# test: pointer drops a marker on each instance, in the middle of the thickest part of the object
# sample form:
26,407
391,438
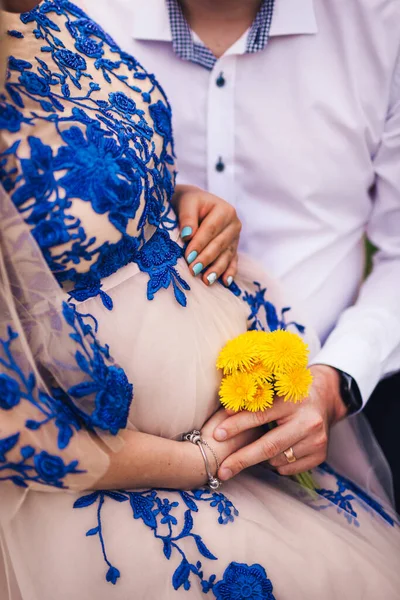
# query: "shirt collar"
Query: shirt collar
153,22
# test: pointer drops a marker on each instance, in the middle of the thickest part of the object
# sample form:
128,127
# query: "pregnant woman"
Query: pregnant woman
108,347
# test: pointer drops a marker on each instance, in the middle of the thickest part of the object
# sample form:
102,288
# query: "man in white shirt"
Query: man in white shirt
290,110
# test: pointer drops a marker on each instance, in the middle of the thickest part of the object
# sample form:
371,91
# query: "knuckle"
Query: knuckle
259,418
240,465
315,423
212,229
230,211
322,441
269,449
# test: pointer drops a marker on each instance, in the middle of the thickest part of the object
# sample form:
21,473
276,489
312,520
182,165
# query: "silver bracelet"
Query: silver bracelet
194,437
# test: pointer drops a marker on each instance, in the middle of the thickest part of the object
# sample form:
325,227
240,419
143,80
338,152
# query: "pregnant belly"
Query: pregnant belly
168,351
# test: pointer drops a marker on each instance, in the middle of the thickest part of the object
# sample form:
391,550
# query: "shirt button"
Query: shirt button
220,166
221,80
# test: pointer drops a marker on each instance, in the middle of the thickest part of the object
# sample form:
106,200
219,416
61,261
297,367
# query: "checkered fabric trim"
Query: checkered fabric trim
187,49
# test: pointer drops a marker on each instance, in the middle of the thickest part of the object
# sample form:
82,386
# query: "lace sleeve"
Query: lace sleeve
59,388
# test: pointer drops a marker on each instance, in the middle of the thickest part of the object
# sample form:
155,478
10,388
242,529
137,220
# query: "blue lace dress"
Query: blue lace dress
103,328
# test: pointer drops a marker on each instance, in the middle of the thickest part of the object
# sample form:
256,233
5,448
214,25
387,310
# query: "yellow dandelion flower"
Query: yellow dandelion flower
294,384
283,350
236,390
263,399
238,354
261,373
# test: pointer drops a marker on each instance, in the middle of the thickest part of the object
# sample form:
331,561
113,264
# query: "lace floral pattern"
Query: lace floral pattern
159,514
106,387
110,153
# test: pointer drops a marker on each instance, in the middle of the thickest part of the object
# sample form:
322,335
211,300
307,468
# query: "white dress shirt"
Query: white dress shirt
308,135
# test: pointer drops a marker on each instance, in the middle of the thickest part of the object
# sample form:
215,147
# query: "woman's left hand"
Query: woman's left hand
212,228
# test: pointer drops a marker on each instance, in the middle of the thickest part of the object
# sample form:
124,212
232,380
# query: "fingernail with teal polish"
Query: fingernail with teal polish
186,231
229,280
192,256
212,278
197,269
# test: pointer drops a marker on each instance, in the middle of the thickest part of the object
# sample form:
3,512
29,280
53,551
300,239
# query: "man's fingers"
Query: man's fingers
242,421
309,446
302,465
264,449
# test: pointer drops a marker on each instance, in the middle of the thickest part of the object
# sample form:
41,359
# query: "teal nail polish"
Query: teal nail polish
229,280
192,256
212,278
197,269
186,231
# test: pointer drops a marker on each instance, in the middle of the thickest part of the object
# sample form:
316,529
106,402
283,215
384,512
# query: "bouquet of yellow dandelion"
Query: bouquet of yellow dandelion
257,366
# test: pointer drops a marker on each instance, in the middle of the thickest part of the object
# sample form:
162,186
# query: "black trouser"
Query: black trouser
383,412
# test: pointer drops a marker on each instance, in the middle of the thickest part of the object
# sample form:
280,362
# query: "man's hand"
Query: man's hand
304,427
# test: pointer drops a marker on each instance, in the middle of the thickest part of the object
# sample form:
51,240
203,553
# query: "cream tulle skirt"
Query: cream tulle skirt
262,537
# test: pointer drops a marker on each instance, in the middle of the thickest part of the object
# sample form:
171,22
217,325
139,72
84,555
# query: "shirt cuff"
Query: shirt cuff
366,345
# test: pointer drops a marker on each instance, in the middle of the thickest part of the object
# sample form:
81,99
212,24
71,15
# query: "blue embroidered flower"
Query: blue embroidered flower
89,47
158,257
10,117
122,102
97,173
50,233
71,60
34,84
113,396
242,582
161,116
10,394
88,27
113,401
50,468
159,251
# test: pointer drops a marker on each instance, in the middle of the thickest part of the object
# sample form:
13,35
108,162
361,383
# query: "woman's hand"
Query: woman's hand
212,228
222,449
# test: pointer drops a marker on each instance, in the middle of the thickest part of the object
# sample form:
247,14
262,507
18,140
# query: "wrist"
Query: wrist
327,379
192,465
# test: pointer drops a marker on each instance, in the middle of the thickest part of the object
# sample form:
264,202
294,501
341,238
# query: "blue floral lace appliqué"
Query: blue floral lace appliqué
106,155
106,386
347,494
159,514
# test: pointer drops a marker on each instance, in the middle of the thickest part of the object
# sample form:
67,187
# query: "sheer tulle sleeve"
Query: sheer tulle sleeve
61,397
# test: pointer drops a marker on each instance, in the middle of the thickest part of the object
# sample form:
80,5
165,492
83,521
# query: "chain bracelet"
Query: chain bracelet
194,437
